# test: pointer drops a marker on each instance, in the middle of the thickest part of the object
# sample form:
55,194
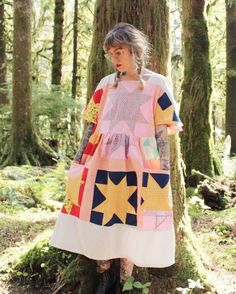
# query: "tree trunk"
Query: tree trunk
230,120
185,256
24,147
75,54
197,142
3,59
150,18
57,42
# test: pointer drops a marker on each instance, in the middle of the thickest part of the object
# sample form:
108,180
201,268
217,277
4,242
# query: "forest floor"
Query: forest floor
24,222
216,232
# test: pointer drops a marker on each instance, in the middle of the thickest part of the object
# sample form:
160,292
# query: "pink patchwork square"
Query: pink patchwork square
154,220
163,222
149,222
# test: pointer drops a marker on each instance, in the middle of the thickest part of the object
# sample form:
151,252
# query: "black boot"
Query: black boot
116,289
107,280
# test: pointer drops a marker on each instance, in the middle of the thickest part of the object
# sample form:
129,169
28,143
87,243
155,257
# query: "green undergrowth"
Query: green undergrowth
29,203
44,264
20,224
32,186
215,232
42,261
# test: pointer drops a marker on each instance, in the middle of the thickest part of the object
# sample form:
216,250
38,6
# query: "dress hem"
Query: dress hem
60,246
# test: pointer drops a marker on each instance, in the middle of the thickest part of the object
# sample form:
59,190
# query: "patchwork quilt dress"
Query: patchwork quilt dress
118,201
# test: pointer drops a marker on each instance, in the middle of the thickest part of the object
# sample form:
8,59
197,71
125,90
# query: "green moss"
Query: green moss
33,186
190,191
215,233
188,250
217,163
195,106
42,262
19,225
200,36
81,274
231,73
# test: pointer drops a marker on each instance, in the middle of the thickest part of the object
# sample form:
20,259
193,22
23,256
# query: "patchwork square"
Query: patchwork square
157,220
149,147
115,198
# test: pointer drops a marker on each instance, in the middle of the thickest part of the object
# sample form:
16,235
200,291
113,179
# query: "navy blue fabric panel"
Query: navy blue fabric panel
98,197
164,101
131,219
161,179
133,200
131,179
114,220
116,177
96,217
101,177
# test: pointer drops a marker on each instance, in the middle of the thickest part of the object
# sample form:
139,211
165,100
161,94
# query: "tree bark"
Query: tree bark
195,111
75,54
151,19
230,120
3,59
57,42
24,146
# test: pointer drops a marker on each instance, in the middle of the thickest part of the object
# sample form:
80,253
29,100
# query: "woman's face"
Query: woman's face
121,58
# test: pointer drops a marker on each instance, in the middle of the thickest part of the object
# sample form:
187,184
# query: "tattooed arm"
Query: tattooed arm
84,141
163,146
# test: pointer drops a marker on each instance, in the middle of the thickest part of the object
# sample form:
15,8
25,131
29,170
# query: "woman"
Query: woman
119,202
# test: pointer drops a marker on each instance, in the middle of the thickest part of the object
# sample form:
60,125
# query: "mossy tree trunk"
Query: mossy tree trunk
195,111
57,59
57,42
230,121
153,19
74,94
75,53
24,146
3,59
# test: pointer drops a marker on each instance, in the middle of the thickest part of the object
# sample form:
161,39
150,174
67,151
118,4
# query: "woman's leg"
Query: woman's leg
103,265
126,269
107,277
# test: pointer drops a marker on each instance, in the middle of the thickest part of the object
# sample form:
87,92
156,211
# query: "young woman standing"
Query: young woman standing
119,201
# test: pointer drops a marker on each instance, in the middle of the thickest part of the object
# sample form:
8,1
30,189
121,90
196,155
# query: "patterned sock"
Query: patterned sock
103,265
126,269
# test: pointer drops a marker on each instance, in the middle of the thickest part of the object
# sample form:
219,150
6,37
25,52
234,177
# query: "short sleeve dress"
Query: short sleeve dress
118,201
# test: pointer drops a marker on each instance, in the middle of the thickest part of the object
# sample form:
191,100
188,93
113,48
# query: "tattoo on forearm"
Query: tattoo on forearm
163,146
84,142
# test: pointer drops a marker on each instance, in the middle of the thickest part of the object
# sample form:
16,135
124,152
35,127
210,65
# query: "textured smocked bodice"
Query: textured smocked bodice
126,121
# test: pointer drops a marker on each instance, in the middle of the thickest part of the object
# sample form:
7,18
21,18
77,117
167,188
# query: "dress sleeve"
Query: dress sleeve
165,109
90,112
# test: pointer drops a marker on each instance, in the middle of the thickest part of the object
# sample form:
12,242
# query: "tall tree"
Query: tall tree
197,142
230,122
3,59
75,46
24,146
153,19
57,42
107,13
